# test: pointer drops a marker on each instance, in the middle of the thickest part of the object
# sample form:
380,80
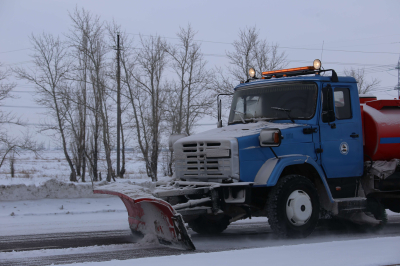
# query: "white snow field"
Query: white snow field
62,215
377,251
49,203
51,164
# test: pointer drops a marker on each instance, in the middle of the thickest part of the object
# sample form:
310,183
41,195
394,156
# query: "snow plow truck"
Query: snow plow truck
300,145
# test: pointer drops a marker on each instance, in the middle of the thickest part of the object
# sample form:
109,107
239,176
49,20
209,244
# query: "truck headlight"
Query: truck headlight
252,72
317,64
270,137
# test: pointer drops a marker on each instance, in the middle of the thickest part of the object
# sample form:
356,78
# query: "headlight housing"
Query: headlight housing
317,64
252,72
270,137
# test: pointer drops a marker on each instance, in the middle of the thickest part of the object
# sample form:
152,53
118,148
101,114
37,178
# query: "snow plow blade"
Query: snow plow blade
157,217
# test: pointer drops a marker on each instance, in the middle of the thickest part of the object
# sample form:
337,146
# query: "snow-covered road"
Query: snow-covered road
84,230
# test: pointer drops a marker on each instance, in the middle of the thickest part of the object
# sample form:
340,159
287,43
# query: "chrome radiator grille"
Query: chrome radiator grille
203,160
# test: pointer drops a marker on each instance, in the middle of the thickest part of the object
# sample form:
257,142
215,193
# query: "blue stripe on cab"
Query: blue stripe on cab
389,140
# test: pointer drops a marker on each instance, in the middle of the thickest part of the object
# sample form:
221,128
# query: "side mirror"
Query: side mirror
219,113
174,138
328,111
219,107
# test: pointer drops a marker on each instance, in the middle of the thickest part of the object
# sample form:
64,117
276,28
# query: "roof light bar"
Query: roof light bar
290,72
281,71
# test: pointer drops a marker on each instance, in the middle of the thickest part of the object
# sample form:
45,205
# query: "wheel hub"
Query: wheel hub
298,207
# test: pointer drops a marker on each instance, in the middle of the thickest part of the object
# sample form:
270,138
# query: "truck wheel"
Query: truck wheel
207,226
293,207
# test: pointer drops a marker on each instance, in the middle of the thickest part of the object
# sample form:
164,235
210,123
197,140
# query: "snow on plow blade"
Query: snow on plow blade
157,217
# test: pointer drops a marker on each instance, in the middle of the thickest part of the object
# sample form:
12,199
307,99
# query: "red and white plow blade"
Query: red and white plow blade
157,217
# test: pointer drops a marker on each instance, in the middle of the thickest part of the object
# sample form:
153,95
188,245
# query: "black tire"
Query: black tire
278,202
209,225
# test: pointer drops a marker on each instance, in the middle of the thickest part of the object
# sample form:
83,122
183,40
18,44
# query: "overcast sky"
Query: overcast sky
354,33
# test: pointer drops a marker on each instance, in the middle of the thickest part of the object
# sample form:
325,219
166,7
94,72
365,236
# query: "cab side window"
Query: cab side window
342,103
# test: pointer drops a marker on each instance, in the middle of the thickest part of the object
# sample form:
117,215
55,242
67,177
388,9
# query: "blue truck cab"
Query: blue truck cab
334,148
292,151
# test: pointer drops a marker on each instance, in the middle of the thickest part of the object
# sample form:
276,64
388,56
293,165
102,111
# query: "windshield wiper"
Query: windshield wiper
240,115
287,111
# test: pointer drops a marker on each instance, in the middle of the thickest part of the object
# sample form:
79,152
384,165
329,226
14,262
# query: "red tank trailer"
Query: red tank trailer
381,128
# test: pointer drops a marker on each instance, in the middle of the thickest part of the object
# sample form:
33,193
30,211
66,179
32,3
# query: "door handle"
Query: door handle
354,135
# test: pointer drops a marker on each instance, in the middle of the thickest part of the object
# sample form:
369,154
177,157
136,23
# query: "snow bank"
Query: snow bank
52,188
56,189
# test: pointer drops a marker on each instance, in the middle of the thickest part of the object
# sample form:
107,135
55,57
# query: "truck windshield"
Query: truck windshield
274,102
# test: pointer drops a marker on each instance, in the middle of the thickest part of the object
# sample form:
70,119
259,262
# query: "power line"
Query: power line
284,47
379,65
378,71
16,50
26,86
350,40
382,90
19,63
15,106
279,47
341,63
175,38
333,50
390,74
300,61
358,45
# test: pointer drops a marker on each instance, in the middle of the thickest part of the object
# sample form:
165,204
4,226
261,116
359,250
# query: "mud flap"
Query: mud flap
157,217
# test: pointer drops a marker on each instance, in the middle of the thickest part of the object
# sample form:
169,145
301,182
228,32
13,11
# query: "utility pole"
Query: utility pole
118,110
398,79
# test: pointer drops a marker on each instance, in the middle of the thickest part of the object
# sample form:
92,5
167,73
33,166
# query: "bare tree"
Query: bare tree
51,67
191,96
11,144
223,83
113,31
251,51
5,92
143,77
76,116
5,87
364,86
87,35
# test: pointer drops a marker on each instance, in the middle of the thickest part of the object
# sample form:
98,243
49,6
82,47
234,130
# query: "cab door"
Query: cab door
341,139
